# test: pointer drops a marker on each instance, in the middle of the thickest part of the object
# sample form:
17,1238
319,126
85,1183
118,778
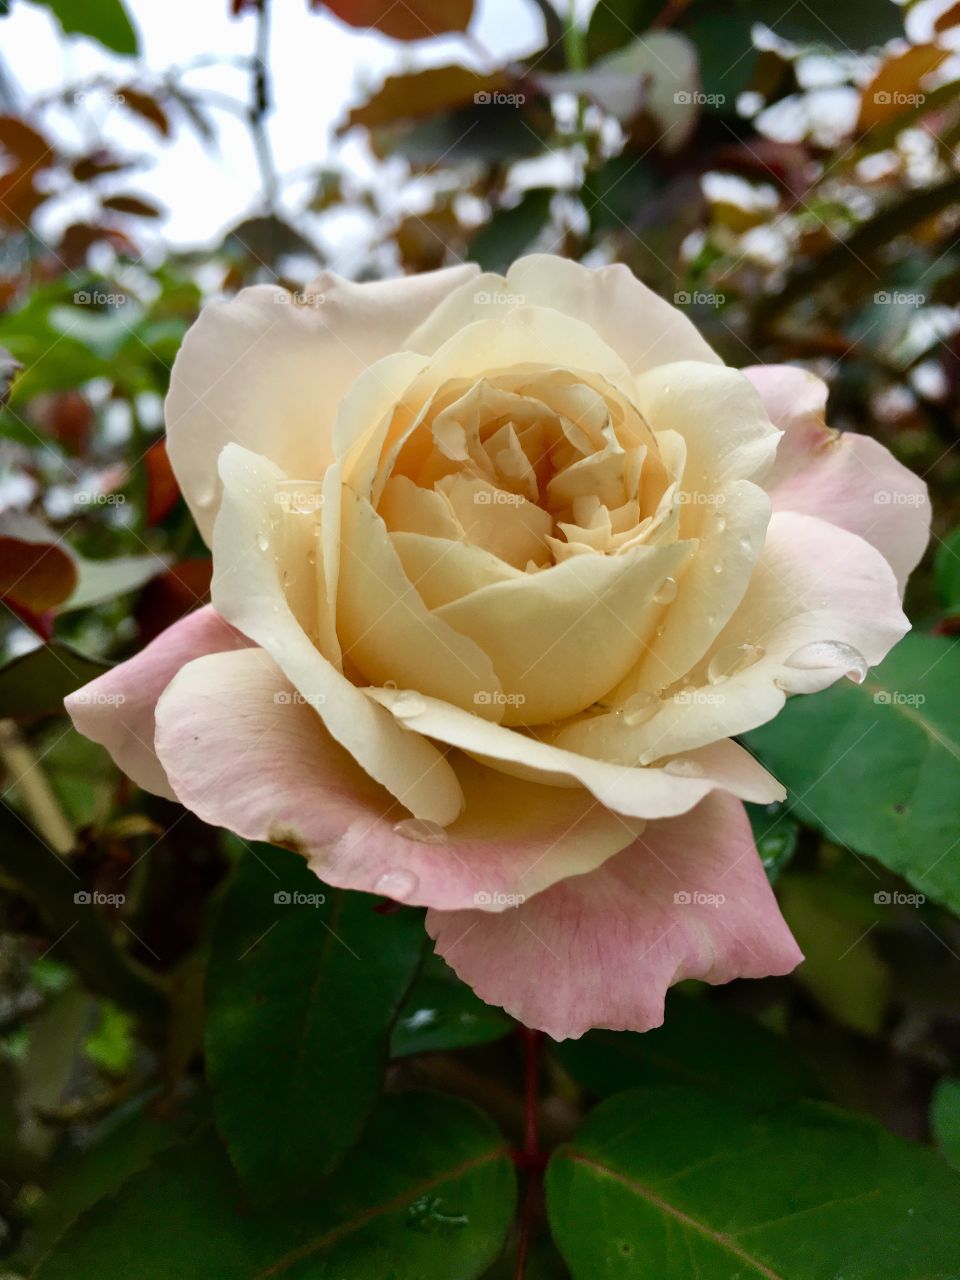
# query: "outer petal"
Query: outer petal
117,709
636,793
247,589
688,900
849,479
813,583
269,374
244,753
640,326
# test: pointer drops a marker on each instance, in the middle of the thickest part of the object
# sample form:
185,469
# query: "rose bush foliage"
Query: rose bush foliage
501,568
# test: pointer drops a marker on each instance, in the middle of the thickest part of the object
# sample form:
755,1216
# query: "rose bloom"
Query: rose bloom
501,566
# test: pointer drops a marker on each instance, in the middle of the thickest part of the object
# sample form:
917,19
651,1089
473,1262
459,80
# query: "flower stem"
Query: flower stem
531,1161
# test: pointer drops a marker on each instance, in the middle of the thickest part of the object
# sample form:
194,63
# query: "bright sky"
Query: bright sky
319,65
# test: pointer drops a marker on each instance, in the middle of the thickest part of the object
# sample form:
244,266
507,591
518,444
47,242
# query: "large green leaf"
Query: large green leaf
105,21
441,1012
876,766
697,1044
429,1195
304,983
510,232
947,573
36,683
664,1183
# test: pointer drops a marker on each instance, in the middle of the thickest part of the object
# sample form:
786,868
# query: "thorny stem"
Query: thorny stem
530,1160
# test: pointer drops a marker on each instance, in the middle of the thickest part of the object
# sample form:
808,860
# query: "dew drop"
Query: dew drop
826,655
421,831
666,591
731,659
407,704
398,884
263,540
640,708
719,523
682,768
718,567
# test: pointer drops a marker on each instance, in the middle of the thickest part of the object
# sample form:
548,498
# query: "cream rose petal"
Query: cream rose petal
637,793
247,591
243,753
643,329
266,373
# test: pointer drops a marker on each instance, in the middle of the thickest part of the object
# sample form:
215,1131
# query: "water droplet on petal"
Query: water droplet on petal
719,523
731,659
827,655
407,704
263,540
683,768
640,708
398,884
666,591
718,567
422,831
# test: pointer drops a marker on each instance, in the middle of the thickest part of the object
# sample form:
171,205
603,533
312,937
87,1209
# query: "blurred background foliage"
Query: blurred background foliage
788,174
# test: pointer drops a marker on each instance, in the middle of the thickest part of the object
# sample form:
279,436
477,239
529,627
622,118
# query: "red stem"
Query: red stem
531,1159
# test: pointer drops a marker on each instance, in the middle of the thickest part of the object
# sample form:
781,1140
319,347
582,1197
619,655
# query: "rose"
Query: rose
559,555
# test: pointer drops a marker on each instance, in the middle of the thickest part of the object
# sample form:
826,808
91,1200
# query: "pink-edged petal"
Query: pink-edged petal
849,479
244,751
117,709
817,593
265,372
688,900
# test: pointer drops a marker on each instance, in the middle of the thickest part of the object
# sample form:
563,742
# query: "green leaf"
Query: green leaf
429,1195
105,21
511,231
613,194
945,1119
304,983
847,27
876,766
664,1183
441,1012
947,573
36,683
775,831
698,1044
616,23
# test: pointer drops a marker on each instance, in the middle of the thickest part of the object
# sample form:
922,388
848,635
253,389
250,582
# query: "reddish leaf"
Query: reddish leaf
423,93
80,237
66,416
35,572
134,205
170,595
405,19
162,488
23,141
147,107
896,86
96,164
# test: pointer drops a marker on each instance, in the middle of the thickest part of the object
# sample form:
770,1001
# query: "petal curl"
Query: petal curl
688,900
117,709
244,751
851,480
269,374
